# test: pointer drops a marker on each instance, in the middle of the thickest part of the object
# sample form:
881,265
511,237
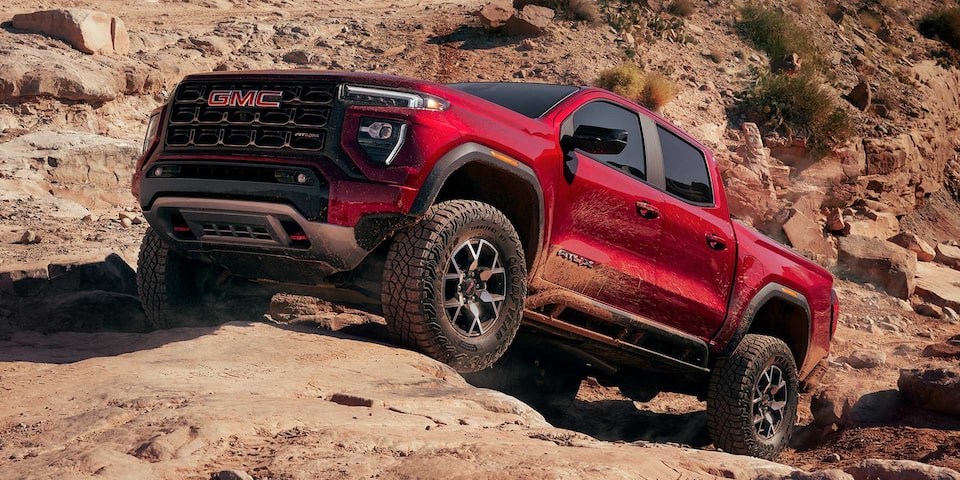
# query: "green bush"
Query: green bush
942,24
776,34
799,106
652,90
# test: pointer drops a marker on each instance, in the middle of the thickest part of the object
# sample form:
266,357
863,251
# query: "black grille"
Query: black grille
289,117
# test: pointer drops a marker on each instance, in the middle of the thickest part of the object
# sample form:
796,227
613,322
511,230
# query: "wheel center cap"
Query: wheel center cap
469,287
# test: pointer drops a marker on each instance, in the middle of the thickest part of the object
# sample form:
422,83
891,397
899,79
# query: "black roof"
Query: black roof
530,99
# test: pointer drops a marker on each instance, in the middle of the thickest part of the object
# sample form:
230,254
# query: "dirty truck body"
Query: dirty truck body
474,211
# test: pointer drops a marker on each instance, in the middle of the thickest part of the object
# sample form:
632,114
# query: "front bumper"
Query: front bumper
255,239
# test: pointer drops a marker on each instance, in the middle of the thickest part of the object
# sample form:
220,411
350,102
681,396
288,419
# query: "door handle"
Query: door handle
647,211
716,242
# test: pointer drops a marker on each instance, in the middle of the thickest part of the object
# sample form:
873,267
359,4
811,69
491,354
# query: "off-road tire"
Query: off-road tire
416,282
757,364
171,287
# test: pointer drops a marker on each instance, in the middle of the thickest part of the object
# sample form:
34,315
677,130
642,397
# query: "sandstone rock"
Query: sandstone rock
78,158
950,315
874,469
298,57
806,236
495,14
861,96
861,359
939,285
836,222
889,266
753,155
915,244
882,225
947,349
86,30
936,389
848,408
779,175
233,475
831,474
531,20
929,310
29,237
948,255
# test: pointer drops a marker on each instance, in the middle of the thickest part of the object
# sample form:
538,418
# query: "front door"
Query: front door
607,224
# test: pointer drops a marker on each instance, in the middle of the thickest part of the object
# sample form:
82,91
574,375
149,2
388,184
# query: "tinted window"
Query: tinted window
685,169
602,114
530,99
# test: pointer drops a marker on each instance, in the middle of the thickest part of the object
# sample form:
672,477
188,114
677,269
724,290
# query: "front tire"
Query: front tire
752,400
454,285
172,288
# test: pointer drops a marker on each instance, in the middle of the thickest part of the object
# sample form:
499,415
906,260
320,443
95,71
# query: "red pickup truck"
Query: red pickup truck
473,211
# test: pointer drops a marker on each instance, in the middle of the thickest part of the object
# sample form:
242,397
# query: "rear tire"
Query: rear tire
752,401
173,288
454,285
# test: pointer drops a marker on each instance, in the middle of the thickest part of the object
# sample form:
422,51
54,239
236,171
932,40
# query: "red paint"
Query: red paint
663,267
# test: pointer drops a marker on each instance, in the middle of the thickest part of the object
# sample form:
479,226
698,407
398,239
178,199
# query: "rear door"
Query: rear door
698,257
607,226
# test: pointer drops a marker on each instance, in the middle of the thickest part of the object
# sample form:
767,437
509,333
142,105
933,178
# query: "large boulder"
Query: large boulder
915,244
936,389
531,20
86,30
495,14
854,406
948,255
806,235
890,266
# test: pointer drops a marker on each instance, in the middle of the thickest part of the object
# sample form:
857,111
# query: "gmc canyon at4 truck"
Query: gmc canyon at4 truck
476,208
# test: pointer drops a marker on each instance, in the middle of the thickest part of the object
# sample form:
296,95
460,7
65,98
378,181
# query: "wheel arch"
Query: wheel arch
474,172
780,312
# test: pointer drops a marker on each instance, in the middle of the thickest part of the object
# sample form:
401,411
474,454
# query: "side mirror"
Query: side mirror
596,140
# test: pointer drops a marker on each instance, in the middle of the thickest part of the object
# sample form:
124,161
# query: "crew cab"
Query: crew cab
475,211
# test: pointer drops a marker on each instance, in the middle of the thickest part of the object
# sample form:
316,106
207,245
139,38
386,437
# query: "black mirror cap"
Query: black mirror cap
596,140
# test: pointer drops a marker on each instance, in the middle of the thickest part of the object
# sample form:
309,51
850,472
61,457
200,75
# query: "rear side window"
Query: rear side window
685,169
602,114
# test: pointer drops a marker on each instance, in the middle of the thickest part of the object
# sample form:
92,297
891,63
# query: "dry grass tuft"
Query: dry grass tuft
652,90
944,25
799,106
777,34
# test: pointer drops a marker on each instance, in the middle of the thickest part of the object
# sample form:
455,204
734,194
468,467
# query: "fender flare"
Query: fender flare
476,153
769,292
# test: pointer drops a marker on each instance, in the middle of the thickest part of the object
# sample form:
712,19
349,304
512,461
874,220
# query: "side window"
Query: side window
685,169
602,114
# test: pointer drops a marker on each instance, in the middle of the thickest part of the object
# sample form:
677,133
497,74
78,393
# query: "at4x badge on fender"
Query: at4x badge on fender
249,98
577,259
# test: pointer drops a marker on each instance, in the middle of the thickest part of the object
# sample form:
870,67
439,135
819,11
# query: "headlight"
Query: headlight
152,127
381,139
391,98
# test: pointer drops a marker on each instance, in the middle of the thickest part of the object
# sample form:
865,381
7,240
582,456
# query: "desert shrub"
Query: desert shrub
799,106
625,79
652,90
681,8
942,24
584,10
871,20
657,91
776,34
